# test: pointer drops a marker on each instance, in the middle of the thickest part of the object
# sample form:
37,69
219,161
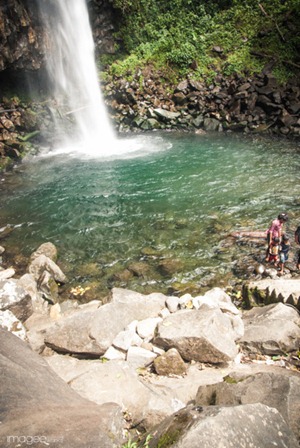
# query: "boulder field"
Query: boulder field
171,371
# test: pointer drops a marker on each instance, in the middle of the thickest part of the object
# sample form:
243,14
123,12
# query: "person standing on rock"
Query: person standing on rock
297,239
273,255
283,253
275,230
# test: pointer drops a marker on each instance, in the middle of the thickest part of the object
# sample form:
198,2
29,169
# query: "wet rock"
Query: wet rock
5,231
169,266
140,269
123,276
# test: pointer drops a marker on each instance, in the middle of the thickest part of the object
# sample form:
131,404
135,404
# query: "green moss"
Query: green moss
5,163
229,380
168,439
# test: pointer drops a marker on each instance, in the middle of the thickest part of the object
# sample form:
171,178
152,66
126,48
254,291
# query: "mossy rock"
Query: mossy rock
179,289
89,270
170,431
123,276
150,252
170,266
139,268
253,297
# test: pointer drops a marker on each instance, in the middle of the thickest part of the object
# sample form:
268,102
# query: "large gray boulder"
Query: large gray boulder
94,332
273,386
271,330
205,336
36,403
250,425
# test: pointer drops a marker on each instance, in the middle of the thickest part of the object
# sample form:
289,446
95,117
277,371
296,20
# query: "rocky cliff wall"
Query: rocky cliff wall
23,40
21,36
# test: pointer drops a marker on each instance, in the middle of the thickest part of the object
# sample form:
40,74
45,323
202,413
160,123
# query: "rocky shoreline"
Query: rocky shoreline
251,105
152,364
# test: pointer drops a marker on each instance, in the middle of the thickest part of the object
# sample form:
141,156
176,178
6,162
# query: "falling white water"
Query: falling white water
72,70
76,93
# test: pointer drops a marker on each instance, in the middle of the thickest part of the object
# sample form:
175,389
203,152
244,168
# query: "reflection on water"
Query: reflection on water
168,196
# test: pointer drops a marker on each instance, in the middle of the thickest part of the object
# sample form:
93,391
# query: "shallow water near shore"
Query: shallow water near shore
167,196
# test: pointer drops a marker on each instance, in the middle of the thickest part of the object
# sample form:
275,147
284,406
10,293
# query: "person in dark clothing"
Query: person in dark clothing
283,252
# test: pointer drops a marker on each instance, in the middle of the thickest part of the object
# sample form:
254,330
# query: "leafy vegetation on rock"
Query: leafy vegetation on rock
201,38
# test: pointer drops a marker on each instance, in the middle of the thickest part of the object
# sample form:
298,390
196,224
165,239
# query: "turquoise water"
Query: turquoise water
176,196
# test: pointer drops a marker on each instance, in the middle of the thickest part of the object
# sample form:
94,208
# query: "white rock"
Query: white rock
9,322
158,350
186,301
7,273
146,328
217,298
138,357
218,294
196,304
164,313
113,353
132,326
172,304
237,325
126,339
55,311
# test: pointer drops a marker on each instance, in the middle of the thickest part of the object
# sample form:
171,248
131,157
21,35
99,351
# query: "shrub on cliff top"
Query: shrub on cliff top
182,34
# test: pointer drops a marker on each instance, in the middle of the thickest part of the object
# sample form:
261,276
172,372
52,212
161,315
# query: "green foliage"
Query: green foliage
126,66
131,444
168,439
183,33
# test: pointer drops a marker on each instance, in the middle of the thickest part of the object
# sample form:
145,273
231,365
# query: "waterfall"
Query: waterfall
73,73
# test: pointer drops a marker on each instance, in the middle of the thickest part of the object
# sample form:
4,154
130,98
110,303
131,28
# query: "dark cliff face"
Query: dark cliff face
23,39
21,36
103,20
